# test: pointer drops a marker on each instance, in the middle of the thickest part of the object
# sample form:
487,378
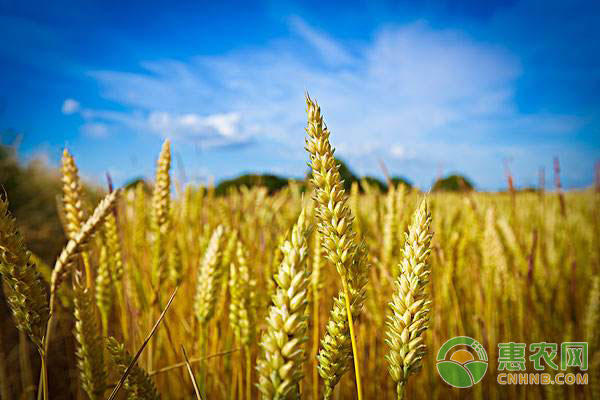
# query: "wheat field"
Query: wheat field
315,291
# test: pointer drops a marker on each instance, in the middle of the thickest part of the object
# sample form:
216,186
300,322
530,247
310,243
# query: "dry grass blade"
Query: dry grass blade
192,360
113,395
192,377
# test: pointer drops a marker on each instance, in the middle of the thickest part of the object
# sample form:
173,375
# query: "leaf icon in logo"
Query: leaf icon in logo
454,374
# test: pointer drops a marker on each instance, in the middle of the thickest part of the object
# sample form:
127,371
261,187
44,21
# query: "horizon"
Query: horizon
430,89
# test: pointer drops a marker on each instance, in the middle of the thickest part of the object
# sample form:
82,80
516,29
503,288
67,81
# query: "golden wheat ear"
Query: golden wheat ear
280,367
90,348
411,303
340,247
209,278
70,252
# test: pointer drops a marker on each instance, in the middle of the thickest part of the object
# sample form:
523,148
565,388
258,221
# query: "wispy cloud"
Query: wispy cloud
70,106
411,93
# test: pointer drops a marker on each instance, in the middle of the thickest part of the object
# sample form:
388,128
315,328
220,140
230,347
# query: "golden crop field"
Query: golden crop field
176,293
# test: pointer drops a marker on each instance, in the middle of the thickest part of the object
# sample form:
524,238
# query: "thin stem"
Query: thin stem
315,375
240,383
400,391
248,373
88,270
104,318
203,352
192,377
123,309
44,373
352,338
192,360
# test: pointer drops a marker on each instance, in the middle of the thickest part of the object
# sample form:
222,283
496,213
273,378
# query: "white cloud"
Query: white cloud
411,92
398,151
94,130
70,106
194,125
330,50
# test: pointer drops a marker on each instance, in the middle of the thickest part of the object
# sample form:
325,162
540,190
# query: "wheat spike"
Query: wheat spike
175,264
90,349
280,367
339,244
335,356
25,291
411,303
242,309
209,277
138,384
72,195
73,247
113,245
389,227
104,285
161,201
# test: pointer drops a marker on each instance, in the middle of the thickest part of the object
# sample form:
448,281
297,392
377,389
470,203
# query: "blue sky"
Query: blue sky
439,86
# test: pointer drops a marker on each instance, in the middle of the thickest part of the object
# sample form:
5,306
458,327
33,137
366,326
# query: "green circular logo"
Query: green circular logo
462,362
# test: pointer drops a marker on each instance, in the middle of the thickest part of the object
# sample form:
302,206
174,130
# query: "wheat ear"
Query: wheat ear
410,303
25,293
90,349
339,243
280,367
138,385
242,309
161,200
72,195
73,248
72,205
209,278
103,289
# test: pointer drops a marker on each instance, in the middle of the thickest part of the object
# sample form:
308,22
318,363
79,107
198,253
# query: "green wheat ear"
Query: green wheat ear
410,303
24,287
